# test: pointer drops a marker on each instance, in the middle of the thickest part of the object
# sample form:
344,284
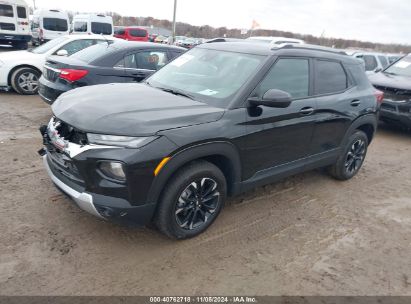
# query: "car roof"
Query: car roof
250,47
127,45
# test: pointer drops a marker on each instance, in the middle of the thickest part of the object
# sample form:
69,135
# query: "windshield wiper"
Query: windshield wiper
389,73
176,92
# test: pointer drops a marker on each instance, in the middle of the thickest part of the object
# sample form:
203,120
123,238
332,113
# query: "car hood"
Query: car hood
130,109
391,81
18,55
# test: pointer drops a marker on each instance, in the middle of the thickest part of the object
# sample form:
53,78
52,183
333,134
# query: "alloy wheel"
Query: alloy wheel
355,156
197,203
28,82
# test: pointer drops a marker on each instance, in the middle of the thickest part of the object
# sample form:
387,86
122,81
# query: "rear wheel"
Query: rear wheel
191,200
25,81
352,158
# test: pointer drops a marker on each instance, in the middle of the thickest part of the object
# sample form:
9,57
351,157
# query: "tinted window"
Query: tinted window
80,26
289,75
76,46
55,24
138,32
21,12
119,31
151,60
330,77
6,10
384,61
94,52
370,62
101,28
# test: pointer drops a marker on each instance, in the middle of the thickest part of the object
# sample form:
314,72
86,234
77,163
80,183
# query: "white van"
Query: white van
14,23
92,24
49,24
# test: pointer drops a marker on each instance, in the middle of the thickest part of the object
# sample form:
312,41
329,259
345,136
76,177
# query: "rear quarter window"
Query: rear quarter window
330,77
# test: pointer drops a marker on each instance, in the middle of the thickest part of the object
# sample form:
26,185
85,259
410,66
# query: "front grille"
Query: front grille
50,74
394,94
71,134
405,108
7,26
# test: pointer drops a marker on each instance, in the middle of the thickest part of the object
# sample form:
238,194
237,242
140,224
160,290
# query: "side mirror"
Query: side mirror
62,53
272,98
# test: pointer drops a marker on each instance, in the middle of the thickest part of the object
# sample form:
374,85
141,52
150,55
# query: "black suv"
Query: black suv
217,121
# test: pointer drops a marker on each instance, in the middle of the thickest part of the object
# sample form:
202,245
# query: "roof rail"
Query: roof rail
311,47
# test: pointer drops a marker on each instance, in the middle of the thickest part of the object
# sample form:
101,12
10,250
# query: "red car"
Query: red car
131,33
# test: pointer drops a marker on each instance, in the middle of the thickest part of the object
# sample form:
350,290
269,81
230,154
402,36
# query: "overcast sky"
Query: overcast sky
370,20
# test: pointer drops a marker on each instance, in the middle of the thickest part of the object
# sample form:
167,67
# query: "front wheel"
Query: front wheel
191,200
352,158
25,81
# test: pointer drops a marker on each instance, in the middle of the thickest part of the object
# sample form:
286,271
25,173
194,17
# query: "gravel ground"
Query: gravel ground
306,235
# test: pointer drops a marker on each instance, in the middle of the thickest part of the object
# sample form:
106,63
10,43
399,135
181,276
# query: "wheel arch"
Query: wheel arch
224,155
17,67
366,123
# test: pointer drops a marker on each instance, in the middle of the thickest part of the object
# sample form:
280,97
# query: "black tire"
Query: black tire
179,203
352,158
25,81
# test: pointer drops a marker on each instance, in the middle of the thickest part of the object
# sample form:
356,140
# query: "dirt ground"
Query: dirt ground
307,235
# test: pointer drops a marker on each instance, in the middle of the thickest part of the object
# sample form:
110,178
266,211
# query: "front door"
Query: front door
278,136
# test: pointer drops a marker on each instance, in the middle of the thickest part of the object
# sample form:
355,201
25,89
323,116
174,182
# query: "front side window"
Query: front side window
384,61
21,12
101,28
330,77
370,62
288,75
76,46
55,24
151,60
6,10
210,76
80,26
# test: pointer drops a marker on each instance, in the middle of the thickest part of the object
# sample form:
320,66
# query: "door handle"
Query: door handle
306,111
355,103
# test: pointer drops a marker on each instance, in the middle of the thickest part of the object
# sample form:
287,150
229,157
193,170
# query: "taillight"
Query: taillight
379,95
72,75
41,34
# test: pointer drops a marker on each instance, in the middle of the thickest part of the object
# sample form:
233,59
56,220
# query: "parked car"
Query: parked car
49,24
374,62
219,120
21,70
120,62
92,24
395,82
131,33
161,39
14,23
179,40
188,43
394,57
276,40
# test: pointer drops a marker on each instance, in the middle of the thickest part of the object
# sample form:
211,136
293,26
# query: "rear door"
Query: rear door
337,103
139,65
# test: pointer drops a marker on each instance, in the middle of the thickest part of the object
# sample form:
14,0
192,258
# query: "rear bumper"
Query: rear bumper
100,206
396,113
14,38
50,91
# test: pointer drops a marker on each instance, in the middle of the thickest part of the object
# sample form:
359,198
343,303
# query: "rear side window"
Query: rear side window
119,31
21,12
289,75
6,10
138,33
151,60
80,26
330,77
370,62
55,24
93,53
101,28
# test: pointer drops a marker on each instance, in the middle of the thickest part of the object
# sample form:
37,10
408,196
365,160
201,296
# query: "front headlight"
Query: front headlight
121,141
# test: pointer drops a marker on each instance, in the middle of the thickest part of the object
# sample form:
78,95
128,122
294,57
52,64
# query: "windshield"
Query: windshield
44,48
208,75
55,24
401,67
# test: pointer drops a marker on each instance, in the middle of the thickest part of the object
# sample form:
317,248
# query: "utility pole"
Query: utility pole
34,2
174,21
